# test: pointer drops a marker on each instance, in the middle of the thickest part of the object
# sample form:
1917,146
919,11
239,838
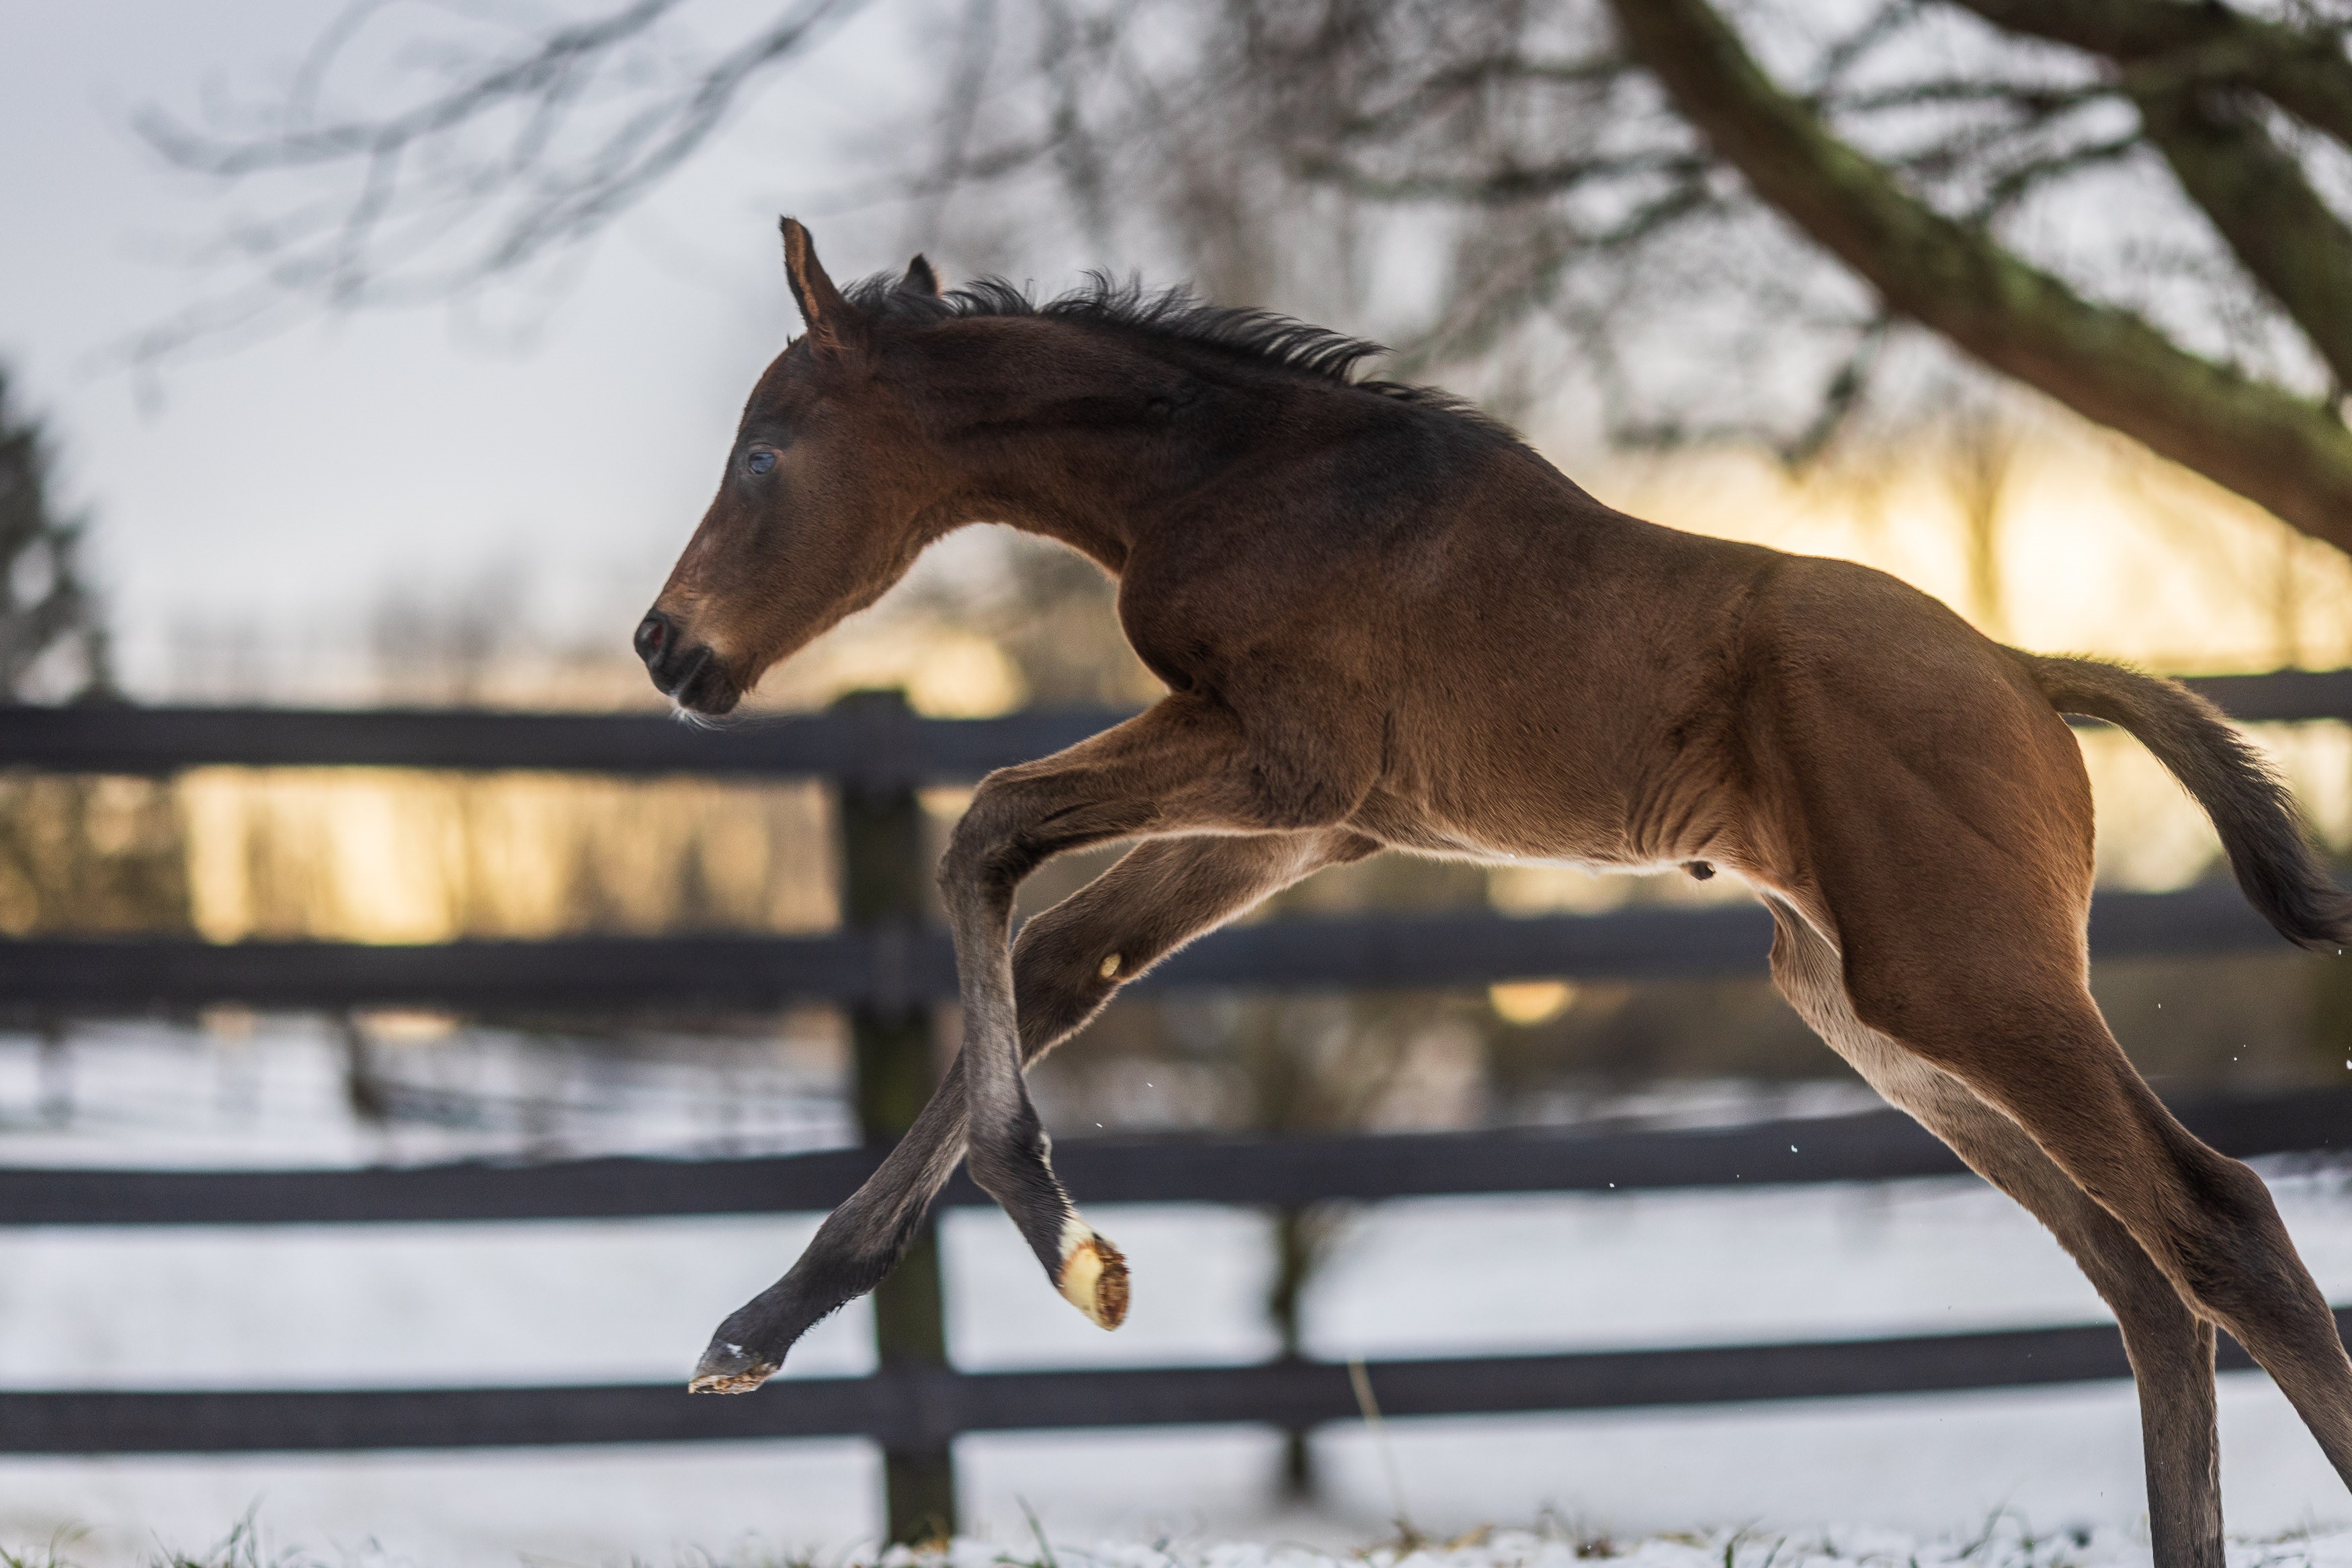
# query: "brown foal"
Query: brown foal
1385,624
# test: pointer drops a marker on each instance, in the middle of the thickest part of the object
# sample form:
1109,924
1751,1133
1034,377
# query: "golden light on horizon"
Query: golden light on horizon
2097,546
388,855
1530,1002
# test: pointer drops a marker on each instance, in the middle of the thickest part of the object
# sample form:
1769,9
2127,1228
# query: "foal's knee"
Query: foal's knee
985,853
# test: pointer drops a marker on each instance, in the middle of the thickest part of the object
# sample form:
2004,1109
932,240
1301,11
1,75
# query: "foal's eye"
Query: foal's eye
760,460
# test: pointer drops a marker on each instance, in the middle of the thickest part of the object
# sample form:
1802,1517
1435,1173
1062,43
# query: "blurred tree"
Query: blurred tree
1981,446
1735,215
52,643
76,852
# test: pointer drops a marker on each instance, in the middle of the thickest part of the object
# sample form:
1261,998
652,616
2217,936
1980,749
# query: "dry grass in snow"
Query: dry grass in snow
2005,1541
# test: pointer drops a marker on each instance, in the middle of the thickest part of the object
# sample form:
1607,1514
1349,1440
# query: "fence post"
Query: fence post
885,875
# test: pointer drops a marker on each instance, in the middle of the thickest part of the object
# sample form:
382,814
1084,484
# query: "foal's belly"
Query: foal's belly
1564,835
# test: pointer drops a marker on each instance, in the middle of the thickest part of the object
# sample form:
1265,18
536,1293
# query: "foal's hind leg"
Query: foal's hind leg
1072,958
2046,1061
1973,963
1924,809
1159,897
2171,1349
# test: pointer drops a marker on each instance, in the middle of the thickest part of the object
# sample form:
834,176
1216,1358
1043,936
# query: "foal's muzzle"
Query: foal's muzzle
686,672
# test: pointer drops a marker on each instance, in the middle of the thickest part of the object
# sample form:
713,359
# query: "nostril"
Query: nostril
653,635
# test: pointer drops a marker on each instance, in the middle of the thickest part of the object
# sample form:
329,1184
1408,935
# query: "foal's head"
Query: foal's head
829,495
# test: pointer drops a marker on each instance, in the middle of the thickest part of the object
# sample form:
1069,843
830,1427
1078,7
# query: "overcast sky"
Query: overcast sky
290,483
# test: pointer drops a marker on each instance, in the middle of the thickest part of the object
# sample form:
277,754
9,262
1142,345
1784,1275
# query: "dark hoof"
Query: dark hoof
728,1368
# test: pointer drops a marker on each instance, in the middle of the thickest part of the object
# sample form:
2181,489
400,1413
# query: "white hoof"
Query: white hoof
1093,1277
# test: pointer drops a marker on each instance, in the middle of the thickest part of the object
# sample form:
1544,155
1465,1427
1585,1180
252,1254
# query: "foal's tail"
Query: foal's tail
2277,869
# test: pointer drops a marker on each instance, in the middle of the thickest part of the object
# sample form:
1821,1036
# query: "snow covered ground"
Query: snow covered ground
2002,1539
2003,1542
607,1301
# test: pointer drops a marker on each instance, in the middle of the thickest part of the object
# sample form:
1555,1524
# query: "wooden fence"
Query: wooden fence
916,1405
886,968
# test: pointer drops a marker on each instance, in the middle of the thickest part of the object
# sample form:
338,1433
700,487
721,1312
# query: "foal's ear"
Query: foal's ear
920,278
835,326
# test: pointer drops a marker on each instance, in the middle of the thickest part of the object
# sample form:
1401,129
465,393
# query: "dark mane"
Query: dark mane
1174,315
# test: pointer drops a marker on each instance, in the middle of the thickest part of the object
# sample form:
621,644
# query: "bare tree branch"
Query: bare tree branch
1451,84
2258,199
2022,180
471,176
548,64
1501,185
2283,453
2034,97
2183,43
2191,71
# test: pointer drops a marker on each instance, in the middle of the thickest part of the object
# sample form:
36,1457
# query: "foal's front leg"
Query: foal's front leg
1183,767
1162,895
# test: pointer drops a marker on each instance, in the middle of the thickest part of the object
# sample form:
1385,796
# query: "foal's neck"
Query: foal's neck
1098,446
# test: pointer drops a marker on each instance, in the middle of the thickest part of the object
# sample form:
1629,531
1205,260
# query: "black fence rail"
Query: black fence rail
860,744
918,1408
892,967
884,966
1874,1145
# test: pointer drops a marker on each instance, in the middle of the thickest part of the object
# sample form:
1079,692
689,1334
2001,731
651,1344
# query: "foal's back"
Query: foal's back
1555,679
